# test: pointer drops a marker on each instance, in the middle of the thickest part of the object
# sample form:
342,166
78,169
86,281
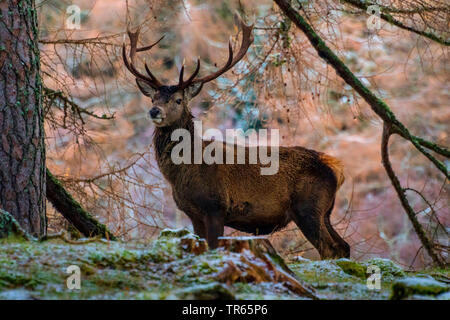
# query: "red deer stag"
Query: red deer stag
237,195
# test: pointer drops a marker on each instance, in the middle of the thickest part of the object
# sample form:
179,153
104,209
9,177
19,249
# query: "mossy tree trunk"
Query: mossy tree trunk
82,220
22,148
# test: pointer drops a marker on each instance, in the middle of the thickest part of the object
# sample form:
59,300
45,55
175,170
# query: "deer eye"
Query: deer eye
178,101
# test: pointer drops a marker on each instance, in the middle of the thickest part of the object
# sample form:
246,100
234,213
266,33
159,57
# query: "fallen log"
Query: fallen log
65,204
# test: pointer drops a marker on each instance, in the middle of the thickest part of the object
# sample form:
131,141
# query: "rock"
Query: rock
410,286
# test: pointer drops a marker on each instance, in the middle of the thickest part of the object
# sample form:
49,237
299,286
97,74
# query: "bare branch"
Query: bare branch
391,123
428,245
363,5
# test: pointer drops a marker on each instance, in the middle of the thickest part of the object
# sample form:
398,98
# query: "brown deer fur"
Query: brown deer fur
237,195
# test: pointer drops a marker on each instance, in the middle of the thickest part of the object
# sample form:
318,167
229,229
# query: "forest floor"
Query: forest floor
178,266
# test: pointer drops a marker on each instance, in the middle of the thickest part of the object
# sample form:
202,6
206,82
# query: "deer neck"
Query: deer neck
164,145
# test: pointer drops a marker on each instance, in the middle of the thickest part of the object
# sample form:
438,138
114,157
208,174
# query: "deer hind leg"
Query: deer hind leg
310,218
344,248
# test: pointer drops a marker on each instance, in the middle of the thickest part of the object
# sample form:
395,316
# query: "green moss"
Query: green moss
409,286
174,233
165,250
387,267
30,280
118,258
87,269
351,267
117,280
10,279
9,227
205,268
332,282
163,269
319,271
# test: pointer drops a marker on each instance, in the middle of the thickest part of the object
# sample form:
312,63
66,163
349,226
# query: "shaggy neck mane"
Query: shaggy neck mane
162,141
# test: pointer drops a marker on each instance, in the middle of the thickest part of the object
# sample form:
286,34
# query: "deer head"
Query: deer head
170,102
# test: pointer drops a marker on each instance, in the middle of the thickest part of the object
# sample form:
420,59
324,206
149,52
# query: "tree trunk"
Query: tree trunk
22,148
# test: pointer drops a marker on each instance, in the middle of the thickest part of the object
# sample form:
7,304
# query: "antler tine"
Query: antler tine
247,39
180,81
131,68
183,84
134,36
151,75
195,73
150,46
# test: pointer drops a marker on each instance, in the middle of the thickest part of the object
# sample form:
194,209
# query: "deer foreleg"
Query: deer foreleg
214,229
199,227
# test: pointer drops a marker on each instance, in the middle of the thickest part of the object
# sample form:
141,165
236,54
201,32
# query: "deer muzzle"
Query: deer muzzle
156,115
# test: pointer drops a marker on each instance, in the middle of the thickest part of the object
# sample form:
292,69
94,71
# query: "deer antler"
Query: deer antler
183,84
150,79
247,39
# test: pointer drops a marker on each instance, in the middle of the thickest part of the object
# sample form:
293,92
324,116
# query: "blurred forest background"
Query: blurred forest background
99,136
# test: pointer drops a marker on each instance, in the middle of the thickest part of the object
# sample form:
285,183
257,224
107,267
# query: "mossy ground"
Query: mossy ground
164,270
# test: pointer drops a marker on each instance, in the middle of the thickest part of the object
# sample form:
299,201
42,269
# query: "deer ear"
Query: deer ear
194,89
145,88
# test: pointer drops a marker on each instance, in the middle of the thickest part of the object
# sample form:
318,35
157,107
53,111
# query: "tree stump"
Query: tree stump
273,268
193,245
